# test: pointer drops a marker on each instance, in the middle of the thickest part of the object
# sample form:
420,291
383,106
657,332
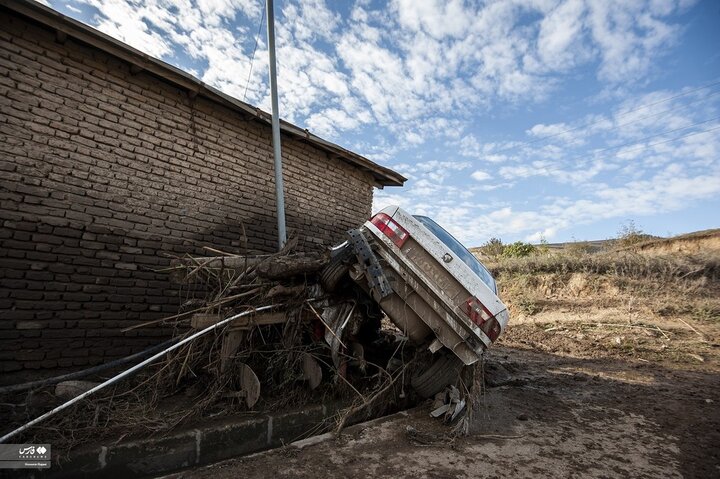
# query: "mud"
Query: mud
559,416
602,382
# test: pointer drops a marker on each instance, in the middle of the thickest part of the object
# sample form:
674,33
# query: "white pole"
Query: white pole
128,372
279,192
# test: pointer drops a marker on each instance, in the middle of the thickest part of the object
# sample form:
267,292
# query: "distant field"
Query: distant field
697,241
657,299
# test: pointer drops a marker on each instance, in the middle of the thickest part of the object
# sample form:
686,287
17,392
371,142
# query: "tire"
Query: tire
335,270
443,372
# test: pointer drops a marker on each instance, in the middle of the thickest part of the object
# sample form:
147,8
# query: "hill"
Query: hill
654,300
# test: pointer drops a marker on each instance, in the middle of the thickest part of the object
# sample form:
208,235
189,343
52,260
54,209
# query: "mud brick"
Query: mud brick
61,268
26,294
10,366
39,276
47,239
112,170
16,254
19,245
67,232
21,235
13,283
62,333
30,355
29,334
75,353
41,256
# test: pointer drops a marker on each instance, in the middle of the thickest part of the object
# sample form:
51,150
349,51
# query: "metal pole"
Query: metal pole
279,192
130,371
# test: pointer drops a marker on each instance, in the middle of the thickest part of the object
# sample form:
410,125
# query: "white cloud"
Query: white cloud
560,42
410,81
131,24
416,68
480,175
629,35
670,190
439,19
214,12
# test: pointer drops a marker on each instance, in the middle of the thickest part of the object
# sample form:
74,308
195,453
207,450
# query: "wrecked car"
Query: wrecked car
428,284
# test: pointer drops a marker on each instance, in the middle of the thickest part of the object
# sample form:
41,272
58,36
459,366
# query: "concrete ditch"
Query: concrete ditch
208,444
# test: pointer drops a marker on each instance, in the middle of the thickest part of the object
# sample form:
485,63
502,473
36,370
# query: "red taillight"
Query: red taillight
480,315
390,228
492,329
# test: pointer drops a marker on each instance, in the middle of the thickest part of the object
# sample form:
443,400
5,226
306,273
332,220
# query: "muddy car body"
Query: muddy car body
440,288
434,290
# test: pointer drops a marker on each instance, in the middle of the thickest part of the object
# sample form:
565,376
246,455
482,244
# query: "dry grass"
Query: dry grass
656,286
624,264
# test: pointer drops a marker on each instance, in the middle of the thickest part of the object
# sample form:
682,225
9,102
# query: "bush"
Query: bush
630,234
518,250
671,267
493,248
578,248
544,247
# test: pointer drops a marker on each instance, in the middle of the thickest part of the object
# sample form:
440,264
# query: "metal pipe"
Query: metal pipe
85,372
128,372
279,192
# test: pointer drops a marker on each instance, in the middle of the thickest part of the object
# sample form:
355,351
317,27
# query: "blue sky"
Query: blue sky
516,119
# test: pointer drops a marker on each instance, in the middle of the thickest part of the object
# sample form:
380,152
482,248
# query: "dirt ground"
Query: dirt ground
607,376
559,416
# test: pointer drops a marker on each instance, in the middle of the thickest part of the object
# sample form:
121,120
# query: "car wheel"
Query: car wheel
443,371
336,269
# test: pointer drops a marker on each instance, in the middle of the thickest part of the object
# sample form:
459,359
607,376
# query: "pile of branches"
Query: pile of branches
194,382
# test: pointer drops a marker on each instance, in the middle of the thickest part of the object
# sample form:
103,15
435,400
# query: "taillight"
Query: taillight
492,329
390,228
480,315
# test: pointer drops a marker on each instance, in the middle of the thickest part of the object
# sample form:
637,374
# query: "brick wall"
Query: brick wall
103,171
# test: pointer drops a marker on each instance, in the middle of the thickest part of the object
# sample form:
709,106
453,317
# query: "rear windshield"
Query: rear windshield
460,251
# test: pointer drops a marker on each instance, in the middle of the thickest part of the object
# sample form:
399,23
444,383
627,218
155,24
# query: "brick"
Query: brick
107,172
67,232
30,355
29,334
62,333
10,366
126,266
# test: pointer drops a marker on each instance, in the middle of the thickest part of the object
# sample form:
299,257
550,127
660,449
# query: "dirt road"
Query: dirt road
558,417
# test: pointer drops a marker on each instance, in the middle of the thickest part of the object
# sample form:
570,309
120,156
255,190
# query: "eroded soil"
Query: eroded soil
559,416
608,378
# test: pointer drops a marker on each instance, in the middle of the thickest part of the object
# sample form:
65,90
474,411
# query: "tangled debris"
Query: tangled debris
317,346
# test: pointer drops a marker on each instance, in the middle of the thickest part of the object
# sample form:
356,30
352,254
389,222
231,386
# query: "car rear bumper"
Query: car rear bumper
417,298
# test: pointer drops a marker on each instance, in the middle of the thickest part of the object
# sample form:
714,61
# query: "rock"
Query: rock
40,400
67,390
523,417
496,375
439,400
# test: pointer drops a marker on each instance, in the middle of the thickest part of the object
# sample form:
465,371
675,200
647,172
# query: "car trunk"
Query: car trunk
427,300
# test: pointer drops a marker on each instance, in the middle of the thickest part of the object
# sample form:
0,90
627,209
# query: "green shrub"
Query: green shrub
518,250
493,248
